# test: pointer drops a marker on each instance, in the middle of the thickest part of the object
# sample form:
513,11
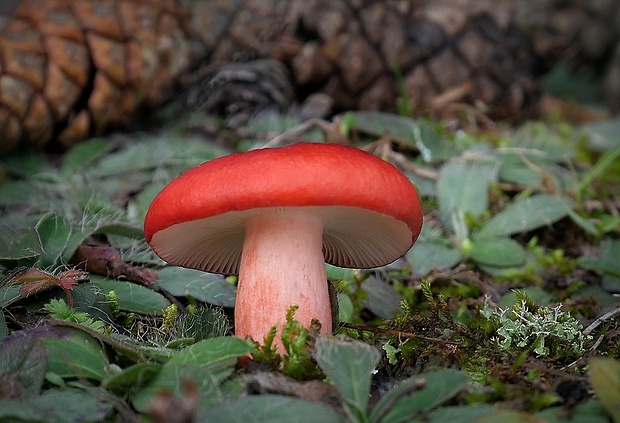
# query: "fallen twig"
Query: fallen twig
600,320
398,333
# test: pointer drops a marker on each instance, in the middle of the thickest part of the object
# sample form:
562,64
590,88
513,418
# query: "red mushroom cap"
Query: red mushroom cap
370,210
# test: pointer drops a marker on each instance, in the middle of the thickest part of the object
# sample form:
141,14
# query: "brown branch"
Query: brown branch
397,333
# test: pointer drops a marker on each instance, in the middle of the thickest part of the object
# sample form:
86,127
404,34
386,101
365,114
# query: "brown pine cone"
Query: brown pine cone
240,90
71,69
353,50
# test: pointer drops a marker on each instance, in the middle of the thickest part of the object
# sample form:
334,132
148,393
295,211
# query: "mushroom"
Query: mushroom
275,216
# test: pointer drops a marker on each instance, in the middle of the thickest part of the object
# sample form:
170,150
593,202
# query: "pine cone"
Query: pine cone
353,50
240,90
74,68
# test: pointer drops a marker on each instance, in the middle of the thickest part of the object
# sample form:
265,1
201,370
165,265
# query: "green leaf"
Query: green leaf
583,223
462,190
73,406
382,299
14,410
145,197
425,256
54,233
131,378
135,250
75,355
608,262
339,273
596,293
89,298
270,409
387,401
349,366
207,363
18,237
27,163
520,174
440,386
207,287
133,297
508,416
425,185
13,193
605,378
608,223
154,153
120,228
24,357
498,252
603,135
603,164
135,157
458,414
4,329
213,351
172,379
525,215
82,155
121,344
275,123
432,250
591,411
346,309
9,294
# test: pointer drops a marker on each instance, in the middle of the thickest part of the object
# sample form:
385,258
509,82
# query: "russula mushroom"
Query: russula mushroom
275,216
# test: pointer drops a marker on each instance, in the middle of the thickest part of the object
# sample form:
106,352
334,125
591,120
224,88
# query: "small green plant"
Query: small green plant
296,362
546,331
170,314
58,309
112,301
391,353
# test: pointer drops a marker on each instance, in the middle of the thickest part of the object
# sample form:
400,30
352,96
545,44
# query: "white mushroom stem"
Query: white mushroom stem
282,264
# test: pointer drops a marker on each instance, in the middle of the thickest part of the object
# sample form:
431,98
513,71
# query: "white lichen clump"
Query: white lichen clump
547,331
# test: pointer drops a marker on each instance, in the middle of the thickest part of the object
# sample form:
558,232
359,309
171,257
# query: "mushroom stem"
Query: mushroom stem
282,264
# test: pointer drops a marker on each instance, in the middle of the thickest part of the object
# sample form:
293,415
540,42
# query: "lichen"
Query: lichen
546,331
